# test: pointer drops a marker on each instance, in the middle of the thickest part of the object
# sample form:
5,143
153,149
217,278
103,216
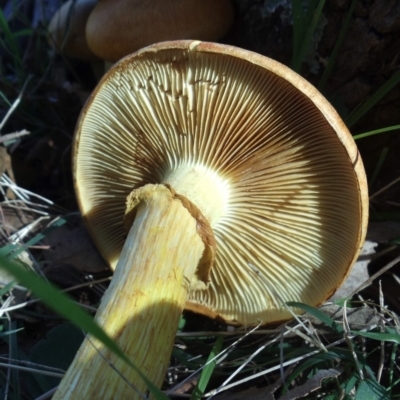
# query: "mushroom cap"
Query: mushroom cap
67,29
295,202
117,28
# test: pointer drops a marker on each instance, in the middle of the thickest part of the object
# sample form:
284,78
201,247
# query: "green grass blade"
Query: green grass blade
381,336
12,250
301,21
314,361
15,249
7,288
393,358
338,45
14,350
207,370
23,33
376,132
385,216
371,390
8,40
64,306
4,98
317,314
10,332
348,387
311,6
378,166
356,114
308,36
298,27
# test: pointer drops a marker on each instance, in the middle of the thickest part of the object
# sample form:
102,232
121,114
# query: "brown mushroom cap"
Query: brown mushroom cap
67,29
117,28
277,173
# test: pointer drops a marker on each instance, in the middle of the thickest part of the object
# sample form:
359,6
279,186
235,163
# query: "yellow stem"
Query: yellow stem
142,306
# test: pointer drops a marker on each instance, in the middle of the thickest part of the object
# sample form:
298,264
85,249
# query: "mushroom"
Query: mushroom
117,28
244,190
67,29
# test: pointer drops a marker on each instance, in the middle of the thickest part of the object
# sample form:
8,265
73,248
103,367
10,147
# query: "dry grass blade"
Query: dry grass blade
312,341
267,371
219,357
7,308
376,275
384,188
33,370
235,332
347,336
225,385
47,395
13,135
14,105
5,305
382,329
312,384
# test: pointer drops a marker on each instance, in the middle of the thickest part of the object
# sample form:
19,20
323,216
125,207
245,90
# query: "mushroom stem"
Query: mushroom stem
143,304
